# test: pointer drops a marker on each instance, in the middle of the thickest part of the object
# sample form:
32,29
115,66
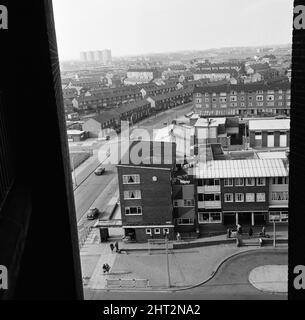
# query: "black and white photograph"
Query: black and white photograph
152,150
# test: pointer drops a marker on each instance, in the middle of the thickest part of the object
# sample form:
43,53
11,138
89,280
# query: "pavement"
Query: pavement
230,282
188,267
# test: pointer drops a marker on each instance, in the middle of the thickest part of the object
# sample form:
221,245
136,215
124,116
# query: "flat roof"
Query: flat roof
248,168
75,132
272,155
269,124
180,134
214,122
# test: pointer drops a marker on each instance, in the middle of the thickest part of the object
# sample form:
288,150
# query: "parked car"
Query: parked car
92,213
99,171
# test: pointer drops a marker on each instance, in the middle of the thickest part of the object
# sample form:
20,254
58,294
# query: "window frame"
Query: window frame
130,175
239,185
239,194
228,185
231,196
261,193
134,214
257,181
135,191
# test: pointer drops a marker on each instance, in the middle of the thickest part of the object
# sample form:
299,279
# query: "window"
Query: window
278,216
258,135
157,231
260,181
165,230
239,197
250,182
132,194
228,182
260,197
133,211
209,217
211,197
279,196
211,182
176,203
228,197
239,182
189,203
200,196
186,221
131,179
280,180
148,231
250,197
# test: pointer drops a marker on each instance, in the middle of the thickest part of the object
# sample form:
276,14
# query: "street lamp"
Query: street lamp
167,261
274,234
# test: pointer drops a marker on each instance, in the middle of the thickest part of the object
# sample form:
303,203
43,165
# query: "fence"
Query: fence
127,283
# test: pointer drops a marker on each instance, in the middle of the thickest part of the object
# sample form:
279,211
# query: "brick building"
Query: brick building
269,133
247,192
146,193
243,99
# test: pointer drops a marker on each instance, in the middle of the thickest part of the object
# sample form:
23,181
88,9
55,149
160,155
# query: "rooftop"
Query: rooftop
211,122
254,168
269,124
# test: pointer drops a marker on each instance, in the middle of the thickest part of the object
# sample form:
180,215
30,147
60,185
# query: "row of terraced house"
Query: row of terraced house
245,100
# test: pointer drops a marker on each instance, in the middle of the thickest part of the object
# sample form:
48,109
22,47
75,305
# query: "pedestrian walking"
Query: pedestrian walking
250,232
263,231
178,236
229,232
111,247
117,246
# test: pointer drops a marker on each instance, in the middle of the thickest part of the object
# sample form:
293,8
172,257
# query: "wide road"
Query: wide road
98,189
230,282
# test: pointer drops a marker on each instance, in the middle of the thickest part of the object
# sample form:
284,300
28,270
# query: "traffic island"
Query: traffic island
270,278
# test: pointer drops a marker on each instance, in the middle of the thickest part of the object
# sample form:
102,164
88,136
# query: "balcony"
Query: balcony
209,204
208,189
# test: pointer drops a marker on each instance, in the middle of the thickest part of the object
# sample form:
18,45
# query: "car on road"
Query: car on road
92,213
99,171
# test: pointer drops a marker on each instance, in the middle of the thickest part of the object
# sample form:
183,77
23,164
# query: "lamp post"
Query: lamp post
274,234
167,261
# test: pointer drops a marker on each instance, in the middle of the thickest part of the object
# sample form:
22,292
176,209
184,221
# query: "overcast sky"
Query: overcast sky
145,26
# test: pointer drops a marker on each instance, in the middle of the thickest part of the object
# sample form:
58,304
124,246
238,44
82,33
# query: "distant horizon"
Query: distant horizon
180,51
136,27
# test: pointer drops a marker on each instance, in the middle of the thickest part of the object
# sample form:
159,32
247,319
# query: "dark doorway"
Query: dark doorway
229,219
244,218
259,218
131,234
